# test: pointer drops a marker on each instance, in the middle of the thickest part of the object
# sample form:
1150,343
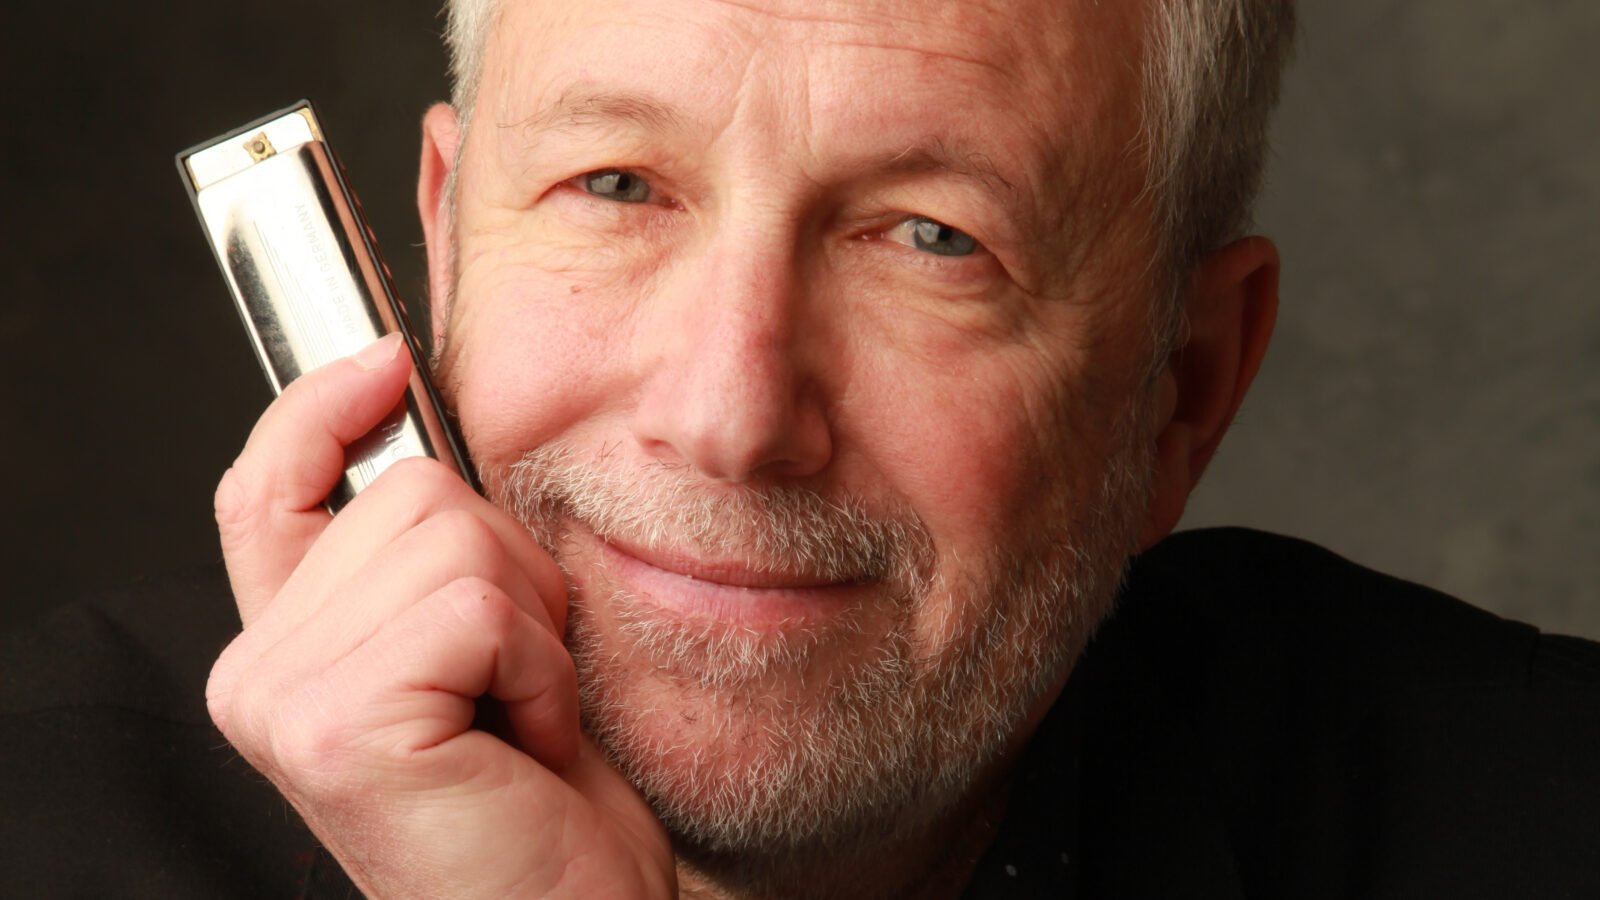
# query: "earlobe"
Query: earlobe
1168,473
1231,307
441,136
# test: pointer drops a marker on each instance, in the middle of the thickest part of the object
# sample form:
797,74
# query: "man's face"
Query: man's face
811,338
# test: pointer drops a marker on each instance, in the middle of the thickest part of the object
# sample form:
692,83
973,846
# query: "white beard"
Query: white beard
773,745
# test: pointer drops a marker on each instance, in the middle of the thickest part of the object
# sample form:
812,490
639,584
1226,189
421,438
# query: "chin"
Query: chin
788,743
764,743
784,675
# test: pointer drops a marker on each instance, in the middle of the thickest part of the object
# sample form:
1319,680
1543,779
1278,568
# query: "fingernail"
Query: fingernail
379,353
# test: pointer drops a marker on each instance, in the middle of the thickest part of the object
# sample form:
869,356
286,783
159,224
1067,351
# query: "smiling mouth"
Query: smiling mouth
740,593
743,574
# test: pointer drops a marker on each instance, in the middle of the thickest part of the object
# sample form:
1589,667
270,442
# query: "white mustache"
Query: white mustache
769,529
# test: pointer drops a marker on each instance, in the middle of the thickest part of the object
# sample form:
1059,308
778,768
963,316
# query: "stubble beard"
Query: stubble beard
774,752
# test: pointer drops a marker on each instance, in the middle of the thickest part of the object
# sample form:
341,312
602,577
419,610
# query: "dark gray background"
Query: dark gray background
1430,407
1431,403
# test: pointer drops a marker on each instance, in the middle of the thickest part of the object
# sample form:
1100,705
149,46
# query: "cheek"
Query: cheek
970,467
972,462
971,440
992,442
958,407
538,349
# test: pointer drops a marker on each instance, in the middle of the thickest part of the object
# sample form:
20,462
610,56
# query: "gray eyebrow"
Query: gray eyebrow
937,155
579,107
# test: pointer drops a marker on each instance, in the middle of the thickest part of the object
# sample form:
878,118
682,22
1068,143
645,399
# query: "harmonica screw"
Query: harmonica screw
259,147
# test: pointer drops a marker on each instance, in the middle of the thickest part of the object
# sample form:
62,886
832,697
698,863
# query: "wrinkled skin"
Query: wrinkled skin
748,309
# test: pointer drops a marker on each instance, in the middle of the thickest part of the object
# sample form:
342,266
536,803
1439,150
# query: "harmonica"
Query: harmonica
306,275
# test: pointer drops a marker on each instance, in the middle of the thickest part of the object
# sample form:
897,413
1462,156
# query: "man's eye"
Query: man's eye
932,236
612,184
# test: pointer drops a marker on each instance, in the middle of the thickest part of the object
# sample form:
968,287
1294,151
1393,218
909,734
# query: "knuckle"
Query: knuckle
415,486
248,707
419,474
219,692
467,534
301,736
481,605
303,748
331,400
306,744
296,391
564,669
236,506
246,710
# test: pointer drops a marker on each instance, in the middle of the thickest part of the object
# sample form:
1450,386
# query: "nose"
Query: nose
730,363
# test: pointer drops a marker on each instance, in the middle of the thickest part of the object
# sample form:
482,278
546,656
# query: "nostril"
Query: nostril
761,430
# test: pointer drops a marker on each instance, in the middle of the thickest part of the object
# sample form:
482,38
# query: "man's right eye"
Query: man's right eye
615,184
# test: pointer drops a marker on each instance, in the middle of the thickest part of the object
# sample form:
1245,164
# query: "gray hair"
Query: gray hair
1211,76
466,32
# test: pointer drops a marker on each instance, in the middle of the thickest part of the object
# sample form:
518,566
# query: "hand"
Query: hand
367,639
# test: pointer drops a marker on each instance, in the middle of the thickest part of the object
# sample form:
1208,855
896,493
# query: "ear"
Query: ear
441,137
1231,305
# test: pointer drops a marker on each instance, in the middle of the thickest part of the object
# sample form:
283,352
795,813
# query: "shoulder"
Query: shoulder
1290,603
1361,735
145,647
114,781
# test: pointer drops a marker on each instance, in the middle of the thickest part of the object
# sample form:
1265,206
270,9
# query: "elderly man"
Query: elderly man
834,352
825,365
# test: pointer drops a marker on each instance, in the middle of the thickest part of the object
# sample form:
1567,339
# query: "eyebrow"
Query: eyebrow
579,108
938,155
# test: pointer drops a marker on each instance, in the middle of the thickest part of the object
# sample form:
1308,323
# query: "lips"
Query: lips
737,593
723,573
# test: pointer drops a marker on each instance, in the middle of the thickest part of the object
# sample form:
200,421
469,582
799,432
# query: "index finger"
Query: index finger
269,503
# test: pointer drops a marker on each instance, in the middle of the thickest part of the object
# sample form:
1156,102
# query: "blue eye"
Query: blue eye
932,236
614,184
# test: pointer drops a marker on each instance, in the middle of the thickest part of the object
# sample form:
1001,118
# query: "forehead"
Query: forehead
1005,34
1059,77
1036,100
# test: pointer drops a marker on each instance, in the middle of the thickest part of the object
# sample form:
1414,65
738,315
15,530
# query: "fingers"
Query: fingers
391,707
416,528
408,537
405,497
268,505
348,589
492,647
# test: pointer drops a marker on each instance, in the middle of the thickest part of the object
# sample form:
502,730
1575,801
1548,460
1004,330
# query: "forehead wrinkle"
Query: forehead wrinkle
953,19
929,53
757,7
